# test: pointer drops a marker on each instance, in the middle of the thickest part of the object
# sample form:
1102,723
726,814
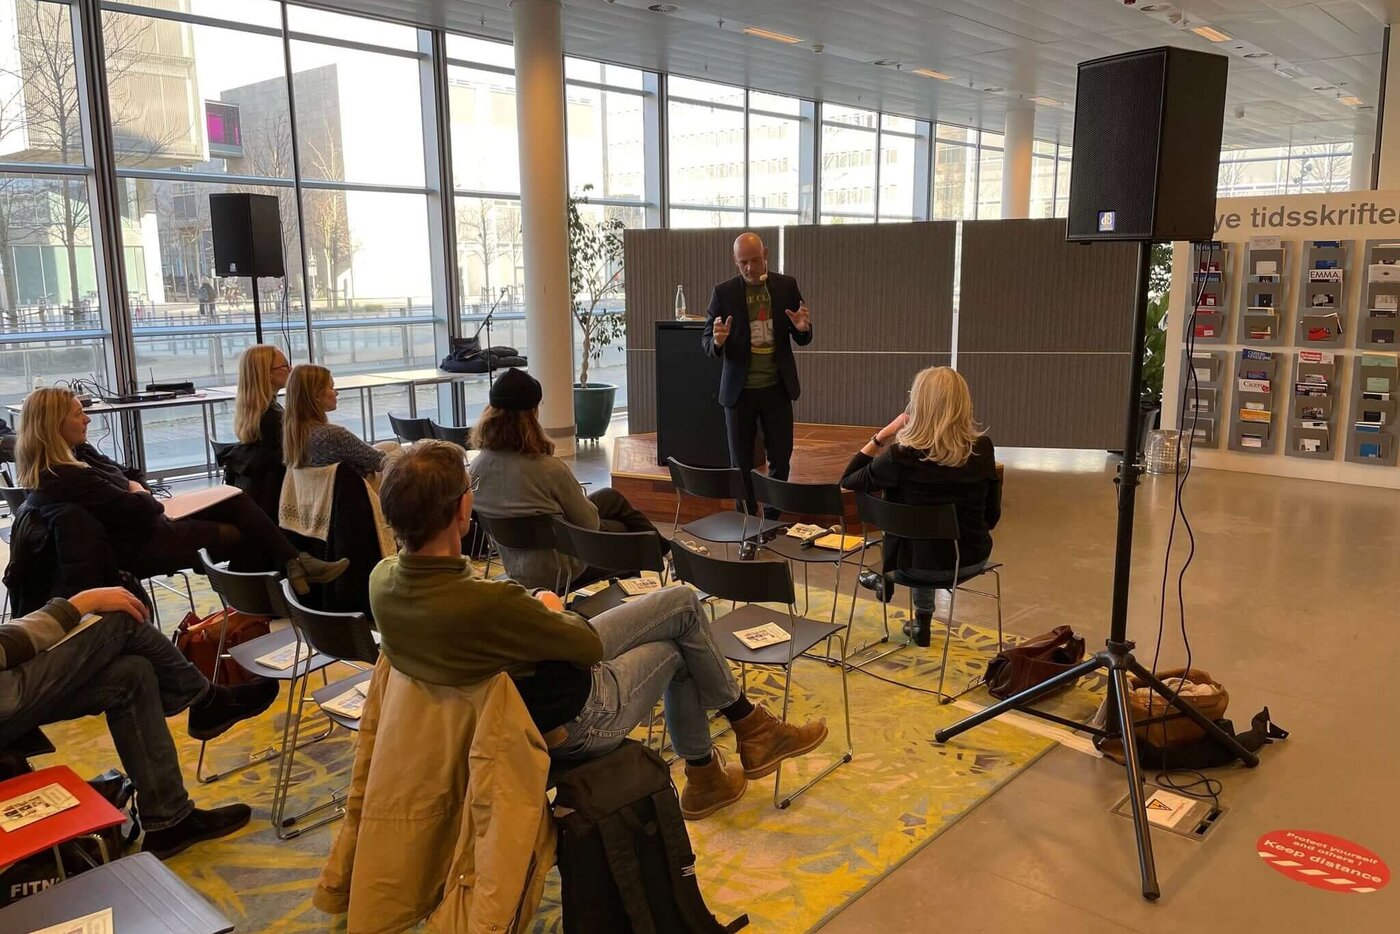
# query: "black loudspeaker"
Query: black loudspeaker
1147,129
247,235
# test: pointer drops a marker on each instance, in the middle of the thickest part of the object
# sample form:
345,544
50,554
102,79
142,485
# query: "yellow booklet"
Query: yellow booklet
836,542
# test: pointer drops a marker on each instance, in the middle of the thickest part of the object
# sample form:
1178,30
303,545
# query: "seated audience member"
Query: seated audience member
308,438
586,686
520,476
124,667
57,463
932,453
254,465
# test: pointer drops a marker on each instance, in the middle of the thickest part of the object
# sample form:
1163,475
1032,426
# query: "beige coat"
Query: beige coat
446,817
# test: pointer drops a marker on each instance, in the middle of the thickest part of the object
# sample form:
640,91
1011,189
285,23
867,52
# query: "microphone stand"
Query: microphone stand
490,365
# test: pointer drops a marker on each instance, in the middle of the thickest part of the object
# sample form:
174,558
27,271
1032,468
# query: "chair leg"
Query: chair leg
947,641
282,790
885,617
58,861
1001,641
781,801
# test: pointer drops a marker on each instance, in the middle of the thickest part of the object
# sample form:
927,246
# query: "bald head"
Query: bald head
751,257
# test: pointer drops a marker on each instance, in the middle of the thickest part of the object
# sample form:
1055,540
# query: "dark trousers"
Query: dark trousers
235,530
772,409
615,514
126,669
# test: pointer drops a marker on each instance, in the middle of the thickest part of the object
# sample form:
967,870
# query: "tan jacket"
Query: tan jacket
446,795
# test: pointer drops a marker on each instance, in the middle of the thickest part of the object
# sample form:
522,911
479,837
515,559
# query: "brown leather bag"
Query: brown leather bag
198,640
1018,667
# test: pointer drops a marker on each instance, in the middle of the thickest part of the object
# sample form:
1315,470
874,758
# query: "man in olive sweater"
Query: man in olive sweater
95,653
586,685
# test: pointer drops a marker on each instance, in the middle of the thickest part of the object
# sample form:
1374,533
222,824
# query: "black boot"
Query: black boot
197,826
222,707
879,583
918,628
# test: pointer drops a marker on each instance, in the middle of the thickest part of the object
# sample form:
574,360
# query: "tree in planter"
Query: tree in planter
1154,346
595,274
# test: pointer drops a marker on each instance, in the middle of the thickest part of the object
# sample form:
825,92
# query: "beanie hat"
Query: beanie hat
516,391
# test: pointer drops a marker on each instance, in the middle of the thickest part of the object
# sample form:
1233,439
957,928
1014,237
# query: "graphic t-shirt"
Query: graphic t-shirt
763,368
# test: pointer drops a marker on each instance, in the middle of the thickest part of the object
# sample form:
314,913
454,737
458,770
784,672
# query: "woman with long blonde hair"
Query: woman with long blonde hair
932,453
257,417
309,439
59,466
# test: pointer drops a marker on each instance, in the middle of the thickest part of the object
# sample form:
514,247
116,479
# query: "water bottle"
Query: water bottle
38,381
680,303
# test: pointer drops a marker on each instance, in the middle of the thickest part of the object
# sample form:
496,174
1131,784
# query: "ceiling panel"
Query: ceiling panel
1026,47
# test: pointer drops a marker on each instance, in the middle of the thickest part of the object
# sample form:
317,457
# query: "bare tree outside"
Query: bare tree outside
489,231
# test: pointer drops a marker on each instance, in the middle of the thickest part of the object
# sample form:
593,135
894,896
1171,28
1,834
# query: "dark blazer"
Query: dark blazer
731,300
128,518
905,477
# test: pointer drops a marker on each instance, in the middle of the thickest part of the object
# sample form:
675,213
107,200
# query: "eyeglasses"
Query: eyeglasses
473,483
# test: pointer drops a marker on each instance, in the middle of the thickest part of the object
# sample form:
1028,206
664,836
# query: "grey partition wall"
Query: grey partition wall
882,309
656,262
1045,333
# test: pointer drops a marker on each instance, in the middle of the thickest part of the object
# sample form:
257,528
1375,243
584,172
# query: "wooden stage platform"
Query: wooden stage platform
820,454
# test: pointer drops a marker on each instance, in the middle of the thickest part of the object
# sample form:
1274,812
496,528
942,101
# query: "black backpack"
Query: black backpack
624,855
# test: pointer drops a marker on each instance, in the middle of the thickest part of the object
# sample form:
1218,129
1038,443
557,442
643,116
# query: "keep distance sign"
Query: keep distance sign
1324,861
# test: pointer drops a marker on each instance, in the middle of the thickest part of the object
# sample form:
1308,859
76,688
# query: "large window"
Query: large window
1285,170
706,154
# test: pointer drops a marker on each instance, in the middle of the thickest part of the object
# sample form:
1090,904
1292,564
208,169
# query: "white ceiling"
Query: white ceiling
1028,48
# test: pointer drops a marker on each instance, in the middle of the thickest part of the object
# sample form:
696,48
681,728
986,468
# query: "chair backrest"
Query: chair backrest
818,499
241,591
610,551
928,523
709,482
221,448
523,533
411,429
14,497
462,437
346,636
745,581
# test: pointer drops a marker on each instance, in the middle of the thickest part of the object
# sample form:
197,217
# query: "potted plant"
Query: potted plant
1154,345
595,275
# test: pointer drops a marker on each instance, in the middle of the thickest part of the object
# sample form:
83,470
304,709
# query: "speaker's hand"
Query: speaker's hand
801,318
721,330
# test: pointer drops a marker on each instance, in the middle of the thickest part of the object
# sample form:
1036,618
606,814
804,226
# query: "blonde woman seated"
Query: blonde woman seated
520,476
932,453
309,439
254,465
57,463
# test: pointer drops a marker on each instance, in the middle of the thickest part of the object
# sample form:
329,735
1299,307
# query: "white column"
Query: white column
1390,121
1016,163
539,106
1363,144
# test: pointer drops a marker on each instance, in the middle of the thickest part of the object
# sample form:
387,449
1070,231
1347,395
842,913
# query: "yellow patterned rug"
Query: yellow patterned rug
788,870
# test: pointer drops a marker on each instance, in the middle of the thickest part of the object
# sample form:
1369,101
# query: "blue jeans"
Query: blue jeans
925,598
653,648
126,669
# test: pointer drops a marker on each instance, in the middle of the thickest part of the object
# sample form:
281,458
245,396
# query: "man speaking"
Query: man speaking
758,383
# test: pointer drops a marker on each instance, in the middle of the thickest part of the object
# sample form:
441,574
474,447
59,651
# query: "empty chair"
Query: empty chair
462,437
821,501
411,429
524,533
725,527
620,553
927,523
754,583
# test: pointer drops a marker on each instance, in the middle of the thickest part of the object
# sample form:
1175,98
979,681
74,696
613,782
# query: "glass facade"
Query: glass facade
201,102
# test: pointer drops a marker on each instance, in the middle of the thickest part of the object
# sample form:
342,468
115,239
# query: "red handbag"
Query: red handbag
198,640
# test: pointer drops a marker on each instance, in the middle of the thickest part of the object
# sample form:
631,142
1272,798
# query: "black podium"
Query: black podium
689,418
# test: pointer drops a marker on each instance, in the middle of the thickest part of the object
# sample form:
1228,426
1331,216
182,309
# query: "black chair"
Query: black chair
248,593
411,429
622,553
15,756
221,449
823,500
755,582
523,533
937,523
14,497
462,437
725,527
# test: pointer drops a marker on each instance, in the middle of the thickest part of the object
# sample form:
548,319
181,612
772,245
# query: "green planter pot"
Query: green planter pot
593,408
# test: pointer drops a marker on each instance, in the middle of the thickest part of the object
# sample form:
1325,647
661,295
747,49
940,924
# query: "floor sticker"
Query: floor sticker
1324,861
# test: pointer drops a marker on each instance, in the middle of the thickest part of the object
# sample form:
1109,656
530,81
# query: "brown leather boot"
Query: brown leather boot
711,787
765,741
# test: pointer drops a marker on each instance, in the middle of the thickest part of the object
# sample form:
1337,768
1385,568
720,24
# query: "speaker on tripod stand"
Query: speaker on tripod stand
1147,132
247,231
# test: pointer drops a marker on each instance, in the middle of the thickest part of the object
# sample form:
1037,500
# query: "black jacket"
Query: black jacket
128,518
256,468
905,477
56,550
730,299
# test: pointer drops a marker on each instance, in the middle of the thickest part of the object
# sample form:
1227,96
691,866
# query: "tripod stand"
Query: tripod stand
1117,657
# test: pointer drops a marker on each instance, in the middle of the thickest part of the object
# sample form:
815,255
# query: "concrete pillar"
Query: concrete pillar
1363,144
1016,162
539,106
1390,120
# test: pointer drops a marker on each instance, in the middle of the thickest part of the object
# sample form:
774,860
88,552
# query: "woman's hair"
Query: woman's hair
255,391
510,430
421,489
940,417
305,387
40,445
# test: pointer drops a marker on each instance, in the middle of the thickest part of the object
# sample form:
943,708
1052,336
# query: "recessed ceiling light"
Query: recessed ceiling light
1256,55
1351,100
1326,87
769,34
1207,32
930,73
1155,7
1047,101
1289,73
994,90
663,8
884,62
